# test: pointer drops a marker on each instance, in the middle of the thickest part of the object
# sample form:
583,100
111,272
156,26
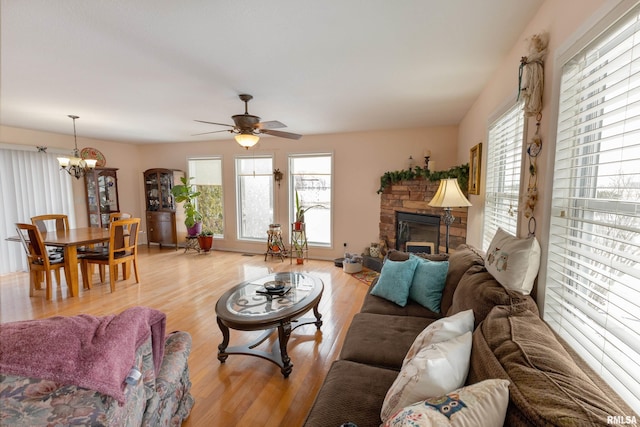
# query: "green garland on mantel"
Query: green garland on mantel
461,172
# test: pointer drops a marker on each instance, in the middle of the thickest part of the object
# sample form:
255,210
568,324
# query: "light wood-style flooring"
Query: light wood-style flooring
245,391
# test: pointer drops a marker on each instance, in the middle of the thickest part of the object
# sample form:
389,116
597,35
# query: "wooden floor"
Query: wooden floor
245,391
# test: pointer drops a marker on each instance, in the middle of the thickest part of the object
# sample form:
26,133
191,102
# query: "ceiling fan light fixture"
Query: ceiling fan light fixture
247,140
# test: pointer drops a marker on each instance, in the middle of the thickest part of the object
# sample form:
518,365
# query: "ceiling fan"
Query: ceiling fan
247,127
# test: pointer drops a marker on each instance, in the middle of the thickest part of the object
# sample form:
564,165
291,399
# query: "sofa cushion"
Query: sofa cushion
513,262
428,283
547,386
381,340
478,290
436,369
351,392
378,305
395,280
460,261
482,404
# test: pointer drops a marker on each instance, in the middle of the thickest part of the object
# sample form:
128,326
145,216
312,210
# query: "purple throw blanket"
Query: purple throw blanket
87,351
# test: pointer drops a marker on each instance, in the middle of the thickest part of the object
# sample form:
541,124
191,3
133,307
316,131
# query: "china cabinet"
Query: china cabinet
163,214
101,185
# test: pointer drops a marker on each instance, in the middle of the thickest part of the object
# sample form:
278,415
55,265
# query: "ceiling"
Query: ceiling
141,71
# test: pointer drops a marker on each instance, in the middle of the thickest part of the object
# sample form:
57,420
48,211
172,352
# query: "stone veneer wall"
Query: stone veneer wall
413,197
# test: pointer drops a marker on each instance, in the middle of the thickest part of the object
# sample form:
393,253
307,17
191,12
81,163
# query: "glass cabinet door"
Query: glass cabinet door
157,186
102,195
151,190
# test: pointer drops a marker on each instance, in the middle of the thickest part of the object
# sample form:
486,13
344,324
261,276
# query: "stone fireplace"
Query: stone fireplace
412,197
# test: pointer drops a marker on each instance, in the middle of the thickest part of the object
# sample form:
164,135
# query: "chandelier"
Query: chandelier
76,166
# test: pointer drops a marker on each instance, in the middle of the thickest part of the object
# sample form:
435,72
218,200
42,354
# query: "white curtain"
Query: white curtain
30,184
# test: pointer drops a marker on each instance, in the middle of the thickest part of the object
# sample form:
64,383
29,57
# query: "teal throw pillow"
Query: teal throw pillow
395,280
428,282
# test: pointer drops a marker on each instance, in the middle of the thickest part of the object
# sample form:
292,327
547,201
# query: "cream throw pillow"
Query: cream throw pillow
441,330
435,370
481,404
513,262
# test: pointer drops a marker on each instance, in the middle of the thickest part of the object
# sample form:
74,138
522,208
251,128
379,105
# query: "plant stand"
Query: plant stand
275,244
299,248
192,244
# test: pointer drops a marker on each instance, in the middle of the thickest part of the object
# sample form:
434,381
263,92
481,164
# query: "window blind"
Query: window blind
593,278
504,159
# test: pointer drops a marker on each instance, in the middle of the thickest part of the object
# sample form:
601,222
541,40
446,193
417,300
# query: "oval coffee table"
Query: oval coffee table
244,307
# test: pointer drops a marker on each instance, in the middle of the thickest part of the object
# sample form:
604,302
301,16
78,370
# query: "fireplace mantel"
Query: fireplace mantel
413,197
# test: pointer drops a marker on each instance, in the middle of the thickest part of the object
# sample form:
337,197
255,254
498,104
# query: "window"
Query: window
592,294
254,177
311,178
504,154
207,177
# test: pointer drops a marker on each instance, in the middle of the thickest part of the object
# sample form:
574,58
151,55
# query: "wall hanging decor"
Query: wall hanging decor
531,86
475,160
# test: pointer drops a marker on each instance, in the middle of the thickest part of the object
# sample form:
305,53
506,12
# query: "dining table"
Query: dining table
69,240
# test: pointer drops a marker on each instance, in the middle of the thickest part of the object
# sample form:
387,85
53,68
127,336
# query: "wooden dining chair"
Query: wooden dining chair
126,270
59,222
114,216
123,248
39,259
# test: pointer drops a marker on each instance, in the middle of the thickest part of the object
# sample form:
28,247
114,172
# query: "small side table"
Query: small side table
192,244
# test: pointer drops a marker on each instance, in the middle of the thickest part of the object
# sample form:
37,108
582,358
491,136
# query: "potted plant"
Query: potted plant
184,193
205,240
300,211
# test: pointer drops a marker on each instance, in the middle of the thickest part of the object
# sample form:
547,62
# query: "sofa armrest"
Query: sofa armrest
172,401
177,348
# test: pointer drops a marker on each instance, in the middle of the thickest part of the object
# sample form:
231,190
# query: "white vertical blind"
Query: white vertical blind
593,277
504,159
31,183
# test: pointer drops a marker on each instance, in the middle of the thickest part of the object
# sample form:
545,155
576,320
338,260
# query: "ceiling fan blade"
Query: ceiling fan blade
215,131
213,123
271,124
281,134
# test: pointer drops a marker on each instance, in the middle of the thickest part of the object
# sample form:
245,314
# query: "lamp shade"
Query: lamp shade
449,195
247,140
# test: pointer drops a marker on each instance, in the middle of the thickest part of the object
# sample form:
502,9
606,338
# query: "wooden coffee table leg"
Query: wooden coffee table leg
318,315
284,331
222,356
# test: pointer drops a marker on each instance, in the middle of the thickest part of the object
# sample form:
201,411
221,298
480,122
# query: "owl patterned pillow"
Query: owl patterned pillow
513,262
481,404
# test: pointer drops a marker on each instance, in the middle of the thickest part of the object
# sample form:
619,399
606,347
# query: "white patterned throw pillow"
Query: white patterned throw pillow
435,370
513,262
481,404
441,330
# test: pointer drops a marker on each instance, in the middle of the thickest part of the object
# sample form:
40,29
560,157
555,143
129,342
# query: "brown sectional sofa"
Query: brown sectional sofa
550,384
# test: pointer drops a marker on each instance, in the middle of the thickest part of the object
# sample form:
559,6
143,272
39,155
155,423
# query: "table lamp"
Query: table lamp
449,196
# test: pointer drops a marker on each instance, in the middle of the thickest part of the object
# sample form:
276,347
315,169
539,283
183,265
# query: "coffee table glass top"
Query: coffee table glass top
245,300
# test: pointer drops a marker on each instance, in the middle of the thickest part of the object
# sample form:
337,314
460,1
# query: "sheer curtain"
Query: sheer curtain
30,184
